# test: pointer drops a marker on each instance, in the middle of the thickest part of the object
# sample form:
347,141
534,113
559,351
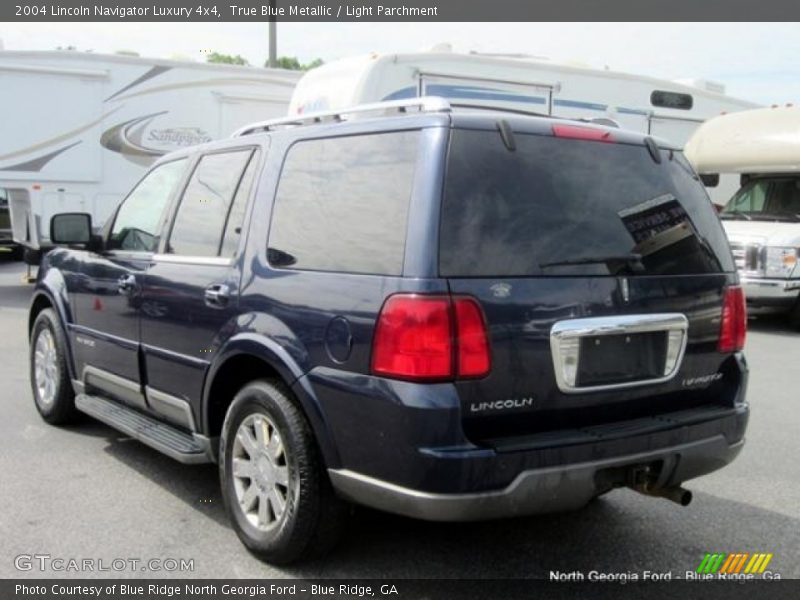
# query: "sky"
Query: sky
755,61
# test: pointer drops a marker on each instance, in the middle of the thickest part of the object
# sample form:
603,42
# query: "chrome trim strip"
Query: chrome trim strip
172,408
573,329
118,386
105,337
216,261
190,361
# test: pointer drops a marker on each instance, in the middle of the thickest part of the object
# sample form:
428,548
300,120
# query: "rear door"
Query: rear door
561,236
190,293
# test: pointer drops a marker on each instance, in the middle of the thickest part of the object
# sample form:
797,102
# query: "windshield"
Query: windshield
557,206
772,199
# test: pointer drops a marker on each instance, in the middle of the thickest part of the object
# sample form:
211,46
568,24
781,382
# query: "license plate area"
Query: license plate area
621,358
602,353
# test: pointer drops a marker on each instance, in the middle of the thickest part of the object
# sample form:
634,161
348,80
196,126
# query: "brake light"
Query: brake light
413,338
733,328
430,338
582,133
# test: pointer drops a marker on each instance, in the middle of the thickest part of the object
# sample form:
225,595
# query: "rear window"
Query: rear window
558,206
342,204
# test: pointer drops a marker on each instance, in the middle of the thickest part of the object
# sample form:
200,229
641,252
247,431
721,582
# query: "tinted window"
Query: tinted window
205,204
233,225
671,100
554,200
342,204
137,225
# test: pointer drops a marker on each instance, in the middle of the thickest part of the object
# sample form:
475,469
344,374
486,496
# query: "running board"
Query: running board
180,445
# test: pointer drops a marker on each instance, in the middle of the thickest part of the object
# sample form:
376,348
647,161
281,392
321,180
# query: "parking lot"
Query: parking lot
90,492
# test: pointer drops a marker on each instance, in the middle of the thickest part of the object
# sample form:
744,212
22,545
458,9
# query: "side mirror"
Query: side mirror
71,228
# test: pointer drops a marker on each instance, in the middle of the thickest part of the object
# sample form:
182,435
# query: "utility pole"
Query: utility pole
273,35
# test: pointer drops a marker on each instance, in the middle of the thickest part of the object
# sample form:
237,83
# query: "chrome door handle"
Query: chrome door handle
126,284
217,295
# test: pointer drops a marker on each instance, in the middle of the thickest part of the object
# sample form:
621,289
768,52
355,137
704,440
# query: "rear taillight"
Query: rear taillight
733,329
430,338
582,133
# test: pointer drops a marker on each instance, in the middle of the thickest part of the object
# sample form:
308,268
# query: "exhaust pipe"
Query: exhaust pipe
674,493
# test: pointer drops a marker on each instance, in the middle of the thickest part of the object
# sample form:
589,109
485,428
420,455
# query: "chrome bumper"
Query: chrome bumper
770,289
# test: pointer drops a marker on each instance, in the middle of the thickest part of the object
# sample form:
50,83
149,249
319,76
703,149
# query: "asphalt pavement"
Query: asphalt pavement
88,492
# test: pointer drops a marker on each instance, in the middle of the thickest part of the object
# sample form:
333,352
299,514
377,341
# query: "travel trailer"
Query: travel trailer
762,219
79,129
666,109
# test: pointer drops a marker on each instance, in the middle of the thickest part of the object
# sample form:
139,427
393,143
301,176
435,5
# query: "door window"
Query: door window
136,227
206,204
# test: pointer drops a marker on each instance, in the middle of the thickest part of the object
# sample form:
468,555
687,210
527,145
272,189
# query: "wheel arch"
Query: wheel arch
44,298
248,357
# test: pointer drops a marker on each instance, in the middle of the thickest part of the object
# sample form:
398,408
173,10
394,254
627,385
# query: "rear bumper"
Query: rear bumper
770,291
537,490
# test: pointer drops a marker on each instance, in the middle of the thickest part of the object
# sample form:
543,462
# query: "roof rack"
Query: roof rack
421,104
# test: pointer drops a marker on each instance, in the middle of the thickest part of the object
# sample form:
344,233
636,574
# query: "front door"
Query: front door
106,287
190,293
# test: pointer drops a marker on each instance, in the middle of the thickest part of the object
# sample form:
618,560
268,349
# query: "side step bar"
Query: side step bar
183,447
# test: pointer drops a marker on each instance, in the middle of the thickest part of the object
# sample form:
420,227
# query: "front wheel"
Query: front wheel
275,487
52,391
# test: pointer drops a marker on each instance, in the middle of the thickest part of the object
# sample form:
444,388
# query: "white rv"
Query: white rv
79,129
762,219
661,108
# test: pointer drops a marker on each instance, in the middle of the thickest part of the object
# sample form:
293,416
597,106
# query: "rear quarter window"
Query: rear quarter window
556,200
342,204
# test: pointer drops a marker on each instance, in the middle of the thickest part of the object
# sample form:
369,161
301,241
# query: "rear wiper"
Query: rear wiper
736,214
632,260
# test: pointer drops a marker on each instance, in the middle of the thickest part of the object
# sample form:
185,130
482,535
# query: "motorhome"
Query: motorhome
79,129
762,219
666,109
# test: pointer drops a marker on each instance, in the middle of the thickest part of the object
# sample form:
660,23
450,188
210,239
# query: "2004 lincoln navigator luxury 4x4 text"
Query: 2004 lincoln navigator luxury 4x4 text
446,315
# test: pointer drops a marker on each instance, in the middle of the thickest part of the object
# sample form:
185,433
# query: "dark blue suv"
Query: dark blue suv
446,315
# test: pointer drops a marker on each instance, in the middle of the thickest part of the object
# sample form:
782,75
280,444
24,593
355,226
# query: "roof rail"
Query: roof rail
421,104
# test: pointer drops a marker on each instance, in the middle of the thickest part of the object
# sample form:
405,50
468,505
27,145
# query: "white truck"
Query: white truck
667,109
80,128
762,219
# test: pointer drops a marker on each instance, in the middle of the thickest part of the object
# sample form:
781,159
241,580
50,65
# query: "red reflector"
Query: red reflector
473,347
413,338
733,328
582,133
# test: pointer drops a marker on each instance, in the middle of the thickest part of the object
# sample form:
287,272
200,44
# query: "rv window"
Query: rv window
671,100
136,226
342,204
204,207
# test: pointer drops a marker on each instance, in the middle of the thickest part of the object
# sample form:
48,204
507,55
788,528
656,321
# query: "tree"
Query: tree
227,59
293,64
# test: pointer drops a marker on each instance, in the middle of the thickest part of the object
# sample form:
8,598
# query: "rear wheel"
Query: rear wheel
52,391
274,484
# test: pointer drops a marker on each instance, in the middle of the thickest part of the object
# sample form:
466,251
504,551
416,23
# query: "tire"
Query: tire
312,518
794,316
50,381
